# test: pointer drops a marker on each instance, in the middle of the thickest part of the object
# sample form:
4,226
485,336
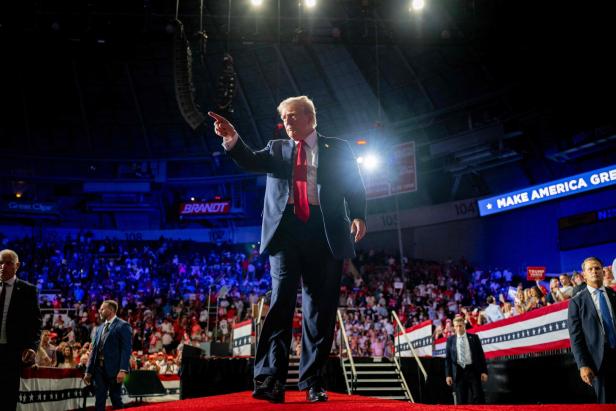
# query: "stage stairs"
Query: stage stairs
377,377
293,374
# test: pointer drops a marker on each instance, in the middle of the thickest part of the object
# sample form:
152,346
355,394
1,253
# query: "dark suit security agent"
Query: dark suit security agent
465,365
20,327
109,359
314,209
592,330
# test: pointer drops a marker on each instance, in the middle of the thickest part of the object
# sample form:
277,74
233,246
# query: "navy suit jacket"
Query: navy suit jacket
477,355
585,329
341,192
23,320
116,349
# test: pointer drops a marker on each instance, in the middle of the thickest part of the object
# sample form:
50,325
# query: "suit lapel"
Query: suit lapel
97,336
287,157
15,296
612,298
287,151
323,159
590,305
455,349
111,327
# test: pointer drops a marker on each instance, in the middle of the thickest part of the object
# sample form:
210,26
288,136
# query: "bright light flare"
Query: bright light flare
369,162
417,5
310,3
256,3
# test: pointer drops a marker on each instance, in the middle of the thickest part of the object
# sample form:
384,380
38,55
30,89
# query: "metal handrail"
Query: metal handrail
403,380
348,349
258,321
408,340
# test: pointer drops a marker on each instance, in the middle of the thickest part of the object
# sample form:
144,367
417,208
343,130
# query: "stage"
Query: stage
296,400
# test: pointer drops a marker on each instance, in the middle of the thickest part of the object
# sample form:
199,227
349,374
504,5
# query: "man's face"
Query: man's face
105,312
565,281
459,328
297,121
593,273
8,266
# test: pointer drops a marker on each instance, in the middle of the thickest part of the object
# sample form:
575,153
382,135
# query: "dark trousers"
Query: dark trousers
604,382
10,363
104,384
299,251
468,386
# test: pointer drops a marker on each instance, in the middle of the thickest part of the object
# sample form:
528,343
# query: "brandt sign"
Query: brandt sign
212,207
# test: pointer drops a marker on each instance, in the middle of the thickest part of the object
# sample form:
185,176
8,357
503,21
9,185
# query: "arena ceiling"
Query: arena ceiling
495,93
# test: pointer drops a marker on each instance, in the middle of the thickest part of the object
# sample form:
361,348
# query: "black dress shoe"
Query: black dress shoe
270,390
316,393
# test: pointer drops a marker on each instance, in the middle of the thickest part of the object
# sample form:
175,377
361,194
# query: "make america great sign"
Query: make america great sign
580,183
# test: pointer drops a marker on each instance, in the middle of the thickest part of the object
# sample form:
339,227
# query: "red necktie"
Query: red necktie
300,184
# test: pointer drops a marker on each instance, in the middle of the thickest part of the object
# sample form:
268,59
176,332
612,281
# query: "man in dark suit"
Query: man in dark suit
314,209
465,365
109,360
592,331
20,327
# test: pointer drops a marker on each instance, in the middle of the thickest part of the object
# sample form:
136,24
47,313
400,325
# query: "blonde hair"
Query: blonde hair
459,320
11,253
303,101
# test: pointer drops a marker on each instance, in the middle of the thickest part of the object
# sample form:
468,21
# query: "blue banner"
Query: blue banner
564,187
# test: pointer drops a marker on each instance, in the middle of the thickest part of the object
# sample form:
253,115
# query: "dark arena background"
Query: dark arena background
484,131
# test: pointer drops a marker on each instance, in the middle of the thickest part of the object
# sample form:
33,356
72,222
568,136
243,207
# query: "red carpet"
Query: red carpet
340,402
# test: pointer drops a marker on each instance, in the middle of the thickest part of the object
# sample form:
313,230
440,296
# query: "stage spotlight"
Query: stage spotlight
310,3
368,162
417,5
256,3
371,162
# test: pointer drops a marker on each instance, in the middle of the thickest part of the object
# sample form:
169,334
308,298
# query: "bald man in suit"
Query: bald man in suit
20,327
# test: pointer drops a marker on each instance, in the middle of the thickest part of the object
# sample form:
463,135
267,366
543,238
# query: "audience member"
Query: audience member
465,365
493,311
592,331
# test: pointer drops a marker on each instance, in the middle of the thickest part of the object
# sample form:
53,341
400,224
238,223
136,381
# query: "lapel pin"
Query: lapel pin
326,145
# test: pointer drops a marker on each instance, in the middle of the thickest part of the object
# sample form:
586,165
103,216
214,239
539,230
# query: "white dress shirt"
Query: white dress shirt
312,158
595,300
493,313
463,340
5,309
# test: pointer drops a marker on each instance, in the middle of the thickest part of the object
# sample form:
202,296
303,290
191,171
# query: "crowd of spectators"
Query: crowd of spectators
175,293
171,292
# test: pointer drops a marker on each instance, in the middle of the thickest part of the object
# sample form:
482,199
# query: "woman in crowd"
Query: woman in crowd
520,300
507,310
46,353
68,357
535,298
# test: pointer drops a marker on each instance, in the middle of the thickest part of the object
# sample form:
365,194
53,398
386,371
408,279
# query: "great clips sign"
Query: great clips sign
579,183
205,208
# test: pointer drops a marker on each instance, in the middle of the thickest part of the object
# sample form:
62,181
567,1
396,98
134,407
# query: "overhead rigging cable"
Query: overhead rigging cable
182,70
202,35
